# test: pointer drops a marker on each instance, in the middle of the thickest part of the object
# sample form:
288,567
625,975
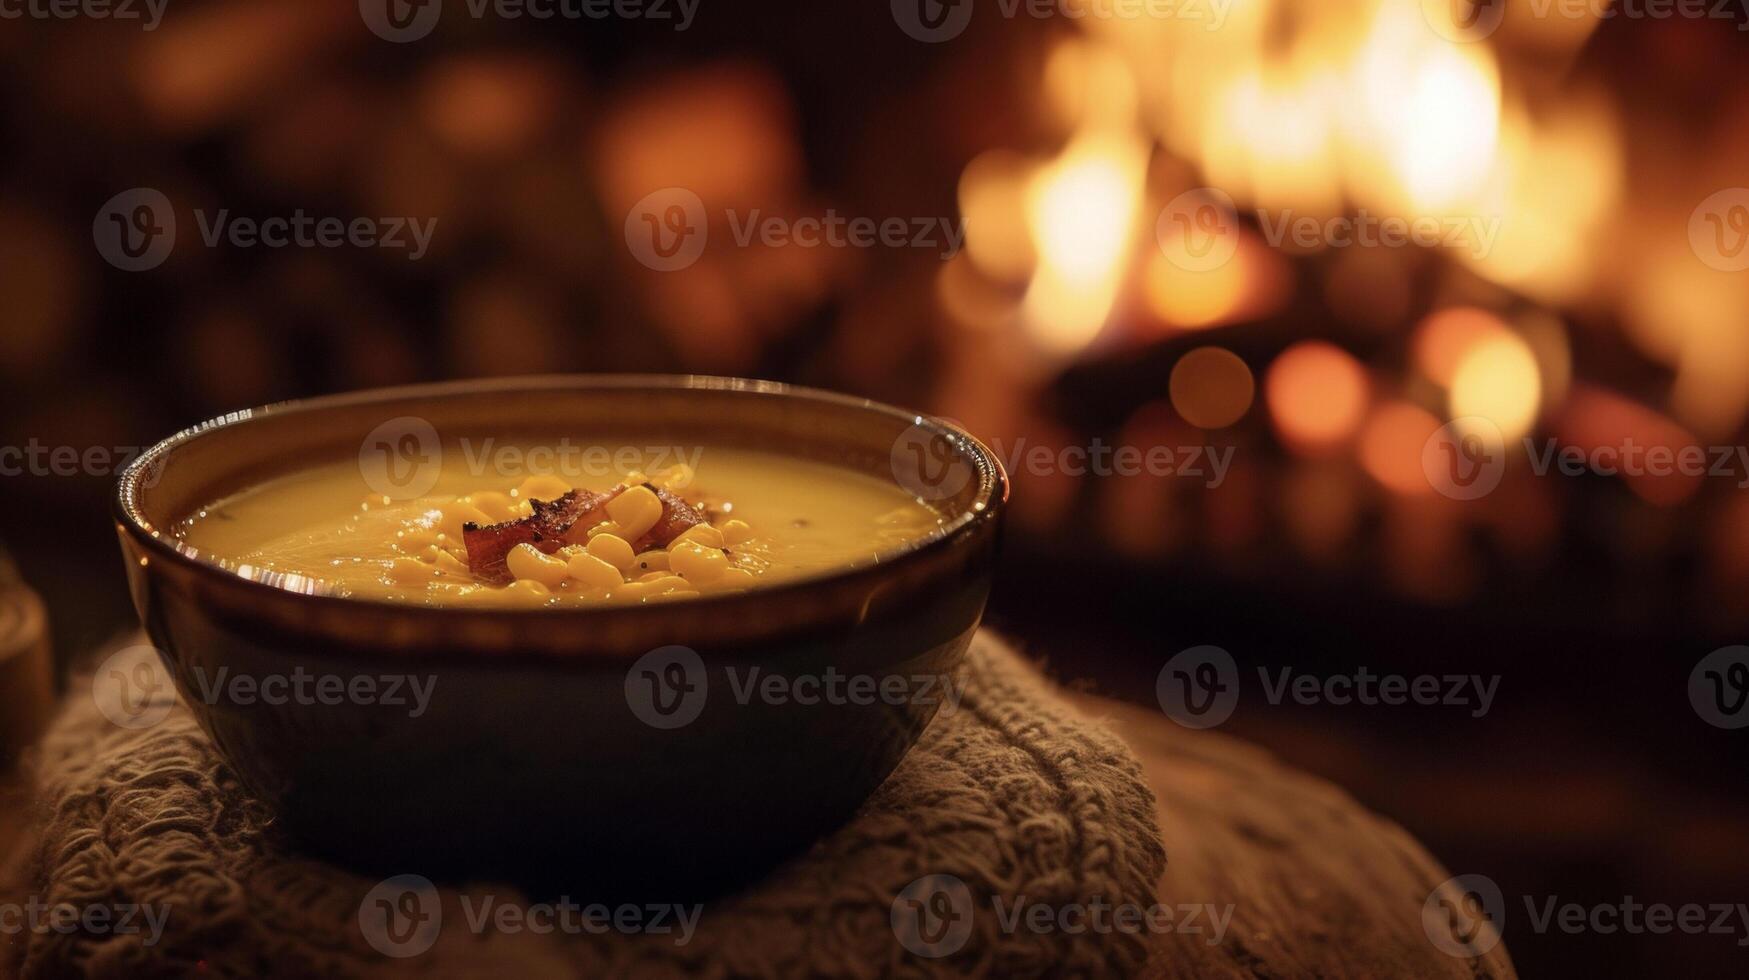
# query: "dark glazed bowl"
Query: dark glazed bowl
532,761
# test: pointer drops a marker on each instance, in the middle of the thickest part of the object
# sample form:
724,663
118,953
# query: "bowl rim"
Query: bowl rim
987,506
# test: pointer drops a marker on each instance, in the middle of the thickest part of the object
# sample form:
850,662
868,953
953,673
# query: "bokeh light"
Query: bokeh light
1317,394
1211,388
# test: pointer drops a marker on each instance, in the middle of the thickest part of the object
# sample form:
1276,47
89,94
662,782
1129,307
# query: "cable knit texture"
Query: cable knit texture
1014,794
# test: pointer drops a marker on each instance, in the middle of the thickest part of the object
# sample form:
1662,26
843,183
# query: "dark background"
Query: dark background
1592,778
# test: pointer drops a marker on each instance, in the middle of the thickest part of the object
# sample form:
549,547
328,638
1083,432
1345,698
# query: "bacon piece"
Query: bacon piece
545,529
567,520
677,516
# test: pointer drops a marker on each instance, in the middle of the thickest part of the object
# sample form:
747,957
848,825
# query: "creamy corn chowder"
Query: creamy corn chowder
740,520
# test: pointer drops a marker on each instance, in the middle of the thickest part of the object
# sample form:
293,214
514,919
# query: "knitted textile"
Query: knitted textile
1014,795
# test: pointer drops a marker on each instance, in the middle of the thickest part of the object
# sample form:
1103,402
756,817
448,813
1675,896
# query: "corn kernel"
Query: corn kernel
527,563
458,513
651,561
497,506
613,549
635,510
703,534
607,527
632,590
677,477
635,477
415,538
594,573
671,594
734,580
543,487
410,571
527,592
736,531
699,564
667,583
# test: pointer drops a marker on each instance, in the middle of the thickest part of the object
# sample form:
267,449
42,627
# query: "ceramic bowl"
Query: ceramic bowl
596,750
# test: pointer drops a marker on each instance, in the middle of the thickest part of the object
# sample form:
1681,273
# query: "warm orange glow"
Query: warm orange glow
1595,419
1446,337
1211,388
970,299
1317,394
1082,212
993,206
1089,85
1553,188
1186,298
1498,380
1691,317
1391,446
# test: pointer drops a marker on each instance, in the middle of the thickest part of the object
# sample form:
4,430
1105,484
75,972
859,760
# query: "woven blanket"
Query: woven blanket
1013,819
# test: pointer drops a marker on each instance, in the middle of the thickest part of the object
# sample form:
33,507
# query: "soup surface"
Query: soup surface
725,520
